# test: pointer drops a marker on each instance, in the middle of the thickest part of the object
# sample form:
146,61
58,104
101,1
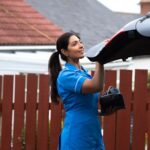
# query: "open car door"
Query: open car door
131,40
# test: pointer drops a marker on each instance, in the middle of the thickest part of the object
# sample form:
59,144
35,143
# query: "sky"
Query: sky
128,6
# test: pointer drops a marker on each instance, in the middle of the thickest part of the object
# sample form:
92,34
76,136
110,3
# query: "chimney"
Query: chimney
145,6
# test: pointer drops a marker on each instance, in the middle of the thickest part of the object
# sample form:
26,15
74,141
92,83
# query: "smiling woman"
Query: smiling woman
79,93
75,49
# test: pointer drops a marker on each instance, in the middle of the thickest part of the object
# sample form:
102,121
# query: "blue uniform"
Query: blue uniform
82,128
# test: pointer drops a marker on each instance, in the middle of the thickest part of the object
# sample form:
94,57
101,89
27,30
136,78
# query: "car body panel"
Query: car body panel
131,40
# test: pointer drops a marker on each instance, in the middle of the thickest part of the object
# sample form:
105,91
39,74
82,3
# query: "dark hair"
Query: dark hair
54,65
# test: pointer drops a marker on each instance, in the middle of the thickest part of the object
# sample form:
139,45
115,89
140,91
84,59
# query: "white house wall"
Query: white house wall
140,63
28,62
37,62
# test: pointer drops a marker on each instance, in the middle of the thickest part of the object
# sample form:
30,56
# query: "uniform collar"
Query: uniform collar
74,68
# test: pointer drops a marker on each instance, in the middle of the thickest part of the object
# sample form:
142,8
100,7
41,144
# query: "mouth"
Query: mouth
82,51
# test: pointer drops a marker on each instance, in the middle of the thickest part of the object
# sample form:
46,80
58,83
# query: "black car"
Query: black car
131,40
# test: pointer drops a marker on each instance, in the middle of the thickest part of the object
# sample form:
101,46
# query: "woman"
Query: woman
79,93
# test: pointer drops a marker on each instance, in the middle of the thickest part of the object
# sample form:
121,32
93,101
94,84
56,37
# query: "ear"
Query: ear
64,52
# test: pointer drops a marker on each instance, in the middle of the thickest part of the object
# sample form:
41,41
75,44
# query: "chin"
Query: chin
81,57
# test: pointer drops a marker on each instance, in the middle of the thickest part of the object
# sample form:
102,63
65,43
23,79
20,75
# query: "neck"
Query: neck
75,63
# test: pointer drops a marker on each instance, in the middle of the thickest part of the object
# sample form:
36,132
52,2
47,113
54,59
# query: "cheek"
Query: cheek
76,53
73,52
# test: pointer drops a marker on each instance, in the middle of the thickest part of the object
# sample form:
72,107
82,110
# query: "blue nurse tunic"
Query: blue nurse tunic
82,128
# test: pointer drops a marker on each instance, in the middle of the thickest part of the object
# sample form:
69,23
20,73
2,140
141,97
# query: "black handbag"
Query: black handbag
111,101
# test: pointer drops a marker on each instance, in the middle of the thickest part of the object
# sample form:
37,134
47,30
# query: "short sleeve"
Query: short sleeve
71,80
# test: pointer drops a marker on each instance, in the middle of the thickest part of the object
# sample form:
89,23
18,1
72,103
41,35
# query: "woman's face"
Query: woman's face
75,48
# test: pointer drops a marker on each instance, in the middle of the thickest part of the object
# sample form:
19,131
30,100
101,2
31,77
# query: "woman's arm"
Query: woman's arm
96,83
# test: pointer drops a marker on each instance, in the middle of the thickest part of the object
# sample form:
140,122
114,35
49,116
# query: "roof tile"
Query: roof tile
90,18
21,24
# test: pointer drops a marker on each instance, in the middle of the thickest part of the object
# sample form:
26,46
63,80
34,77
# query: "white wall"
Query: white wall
25,62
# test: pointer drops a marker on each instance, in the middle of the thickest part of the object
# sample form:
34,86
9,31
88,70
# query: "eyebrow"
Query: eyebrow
76,41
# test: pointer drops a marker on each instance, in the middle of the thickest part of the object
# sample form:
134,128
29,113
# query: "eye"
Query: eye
81,42
74,43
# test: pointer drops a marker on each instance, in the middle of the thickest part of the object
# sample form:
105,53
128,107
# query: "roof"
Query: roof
20,24
90,18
